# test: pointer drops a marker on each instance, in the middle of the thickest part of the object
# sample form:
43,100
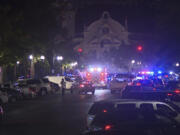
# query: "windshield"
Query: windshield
65,61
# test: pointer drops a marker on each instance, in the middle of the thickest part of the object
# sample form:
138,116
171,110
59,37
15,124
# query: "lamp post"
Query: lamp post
32,70
59,59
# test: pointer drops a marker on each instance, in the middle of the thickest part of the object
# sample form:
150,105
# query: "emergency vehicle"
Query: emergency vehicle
96,75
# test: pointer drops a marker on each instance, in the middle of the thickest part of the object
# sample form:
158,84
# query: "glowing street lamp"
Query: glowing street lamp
177,64
18,62
42,57
133,61
31,57
59,58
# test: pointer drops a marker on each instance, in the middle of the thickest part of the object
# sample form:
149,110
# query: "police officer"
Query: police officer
63,86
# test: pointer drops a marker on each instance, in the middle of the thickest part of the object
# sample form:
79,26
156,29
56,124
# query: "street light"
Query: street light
133,61
177,64
42,57
59,58
31,57
18,62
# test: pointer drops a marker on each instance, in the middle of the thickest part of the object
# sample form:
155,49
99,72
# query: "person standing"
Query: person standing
63,86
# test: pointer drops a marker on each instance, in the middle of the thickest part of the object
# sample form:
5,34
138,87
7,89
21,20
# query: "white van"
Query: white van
58,79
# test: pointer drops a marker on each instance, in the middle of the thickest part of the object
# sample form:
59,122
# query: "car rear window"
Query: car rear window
100,107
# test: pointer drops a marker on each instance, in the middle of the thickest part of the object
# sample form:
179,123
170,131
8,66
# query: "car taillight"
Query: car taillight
107,127
138,84
177,91
169,94
104,110
81,85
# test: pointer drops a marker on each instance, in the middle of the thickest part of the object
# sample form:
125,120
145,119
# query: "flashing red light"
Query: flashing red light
108,127
169,94
82,86
139,48
138,84
80,50
177,91
104,111
166,76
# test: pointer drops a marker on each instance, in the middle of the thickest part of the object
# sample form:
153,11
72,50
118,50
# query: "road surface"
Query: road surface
50,115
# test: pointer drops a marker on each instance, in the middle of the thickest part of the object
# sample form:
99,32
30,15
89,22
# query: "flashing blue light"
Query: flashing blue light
159,72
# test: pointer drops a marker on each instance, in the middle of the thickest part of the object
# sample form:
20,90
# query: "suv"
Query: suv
174,90
86,87
33,87
165,108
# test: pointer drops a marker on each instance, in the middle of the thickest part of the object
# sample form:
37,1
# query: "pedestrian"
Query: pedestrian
63,86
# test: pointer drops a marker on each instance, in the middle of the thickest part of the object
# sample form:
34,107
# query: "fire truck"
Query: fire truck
96,75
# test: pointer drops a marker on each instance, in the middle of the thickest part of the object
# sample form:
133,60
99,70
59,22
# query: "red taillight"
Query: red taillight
169,94
177,91
107,127
82,86
138,84
154,89
104,111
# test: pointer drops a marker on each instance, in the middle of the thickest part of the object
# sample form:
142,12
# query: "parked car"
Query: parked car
85,87
3,97
167,109
117,86
13,94
58,79
25,88
174,90
127,119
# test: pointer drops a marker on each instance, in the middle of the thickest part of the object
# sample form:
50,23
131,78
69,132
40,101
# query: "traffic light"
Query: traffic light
139,48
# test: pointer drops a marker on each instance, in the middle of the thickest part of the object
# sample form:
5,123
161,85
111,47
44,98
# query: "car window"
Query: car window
165,110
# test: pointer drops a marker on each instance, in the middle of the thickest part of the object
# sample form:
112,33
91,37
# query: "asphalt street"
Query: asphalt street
50,115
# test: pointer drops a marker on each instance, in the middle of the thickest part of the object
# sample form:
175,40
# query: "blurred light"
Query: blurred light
133,61
177,64
139,48
107,127
30,57
99,69
18,62
82,85
104,111
171,72
80,50
148,72
91,69
59,58
159,72
42,57
152,73
143,72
